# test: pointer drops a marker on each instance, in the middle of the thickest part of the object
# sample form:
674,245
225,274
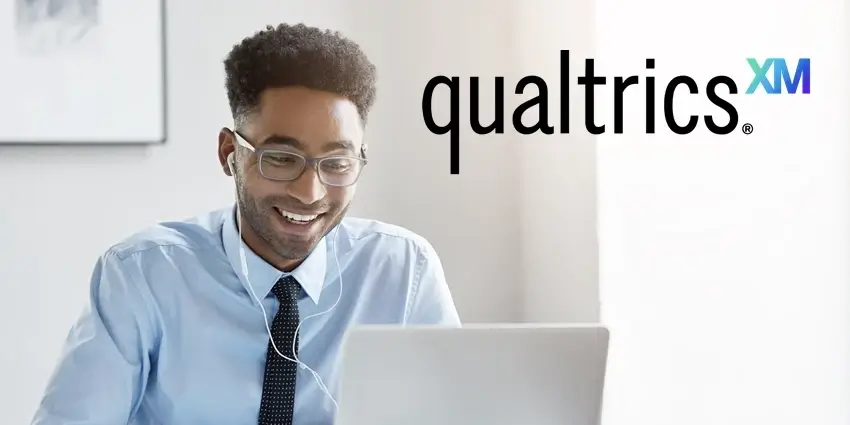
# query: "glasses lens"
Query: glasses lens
339,170
281,165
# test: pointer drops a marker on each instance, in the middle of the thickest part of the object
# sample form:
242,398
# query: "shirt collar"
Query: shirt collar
263,276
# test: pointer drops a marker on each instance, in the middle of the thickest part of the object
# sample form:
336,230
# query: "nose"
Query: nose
307,188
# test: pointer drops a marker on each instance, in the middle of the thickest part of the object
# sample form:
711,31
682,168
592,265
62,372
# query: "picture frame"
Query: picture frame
83,72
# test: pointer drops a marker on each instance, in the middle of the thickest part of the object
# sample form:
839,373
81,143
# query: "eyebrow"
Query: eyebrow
338,145
279,141
291,142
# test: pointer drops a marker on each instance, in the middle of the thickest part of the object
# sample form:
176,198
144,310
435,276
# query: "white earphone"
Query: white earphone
243,260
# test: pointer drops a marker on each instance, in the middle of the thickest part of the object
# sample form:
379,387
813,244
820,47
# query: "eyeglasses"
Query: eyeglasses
281,165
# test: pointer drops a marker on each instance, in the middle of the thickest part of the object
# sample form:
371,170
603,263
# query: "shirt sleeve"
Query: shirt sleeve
432,302
102,371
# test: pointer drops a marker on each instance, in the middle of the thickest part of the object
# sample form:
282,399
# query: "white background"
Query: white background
720,263
724,270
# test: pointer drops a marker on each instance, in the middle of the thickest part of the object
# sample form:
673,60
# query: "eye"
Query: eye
280,159
337,165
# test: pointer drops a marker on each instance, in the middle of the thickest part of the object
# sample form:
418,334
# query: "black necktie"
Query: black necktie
279,382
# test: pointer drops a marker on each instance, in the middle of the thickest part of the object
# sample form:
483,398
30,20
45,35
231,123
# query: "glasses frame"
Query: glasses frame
312,162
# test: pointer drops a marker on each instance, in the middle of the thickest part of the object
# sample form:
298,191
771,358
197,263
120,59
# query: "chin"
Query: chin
296,241
295,252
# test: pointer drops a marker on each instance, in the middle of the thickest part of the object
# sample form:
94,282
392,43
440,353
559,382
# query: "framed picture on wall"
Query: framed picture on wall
83,72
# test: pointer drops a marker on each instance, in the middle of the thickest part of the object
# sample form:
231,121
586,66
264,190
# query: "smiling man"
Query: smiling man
236,316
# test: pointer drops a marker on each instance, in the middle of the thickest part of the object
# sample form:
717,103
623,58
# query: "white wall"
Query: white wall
409,182
558,172
526,208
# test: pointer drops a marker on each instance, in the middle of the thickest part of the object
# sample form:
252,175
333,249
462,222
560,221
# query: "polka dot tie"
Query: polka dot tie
278,398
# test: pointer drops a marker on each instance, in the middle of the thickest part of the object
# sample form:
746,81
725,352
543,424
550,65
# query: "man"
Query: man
174,334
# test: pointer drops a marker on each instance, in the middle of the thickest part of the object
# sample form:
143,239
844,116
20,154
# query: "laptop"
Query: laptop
504,374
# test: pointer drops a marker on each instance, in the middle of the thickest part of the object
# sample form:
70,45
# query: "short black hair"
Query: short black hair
298,55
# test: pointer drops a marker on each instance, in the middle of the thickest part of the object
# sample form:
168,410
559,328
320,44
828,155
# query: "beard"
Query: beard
262,216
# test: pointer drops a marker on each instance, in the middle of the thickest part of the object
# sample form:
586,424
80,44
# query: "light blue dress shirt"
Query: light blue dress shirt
172,335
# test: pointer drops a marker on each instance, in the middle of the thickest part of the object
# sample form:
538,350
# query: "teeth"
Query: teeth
298,217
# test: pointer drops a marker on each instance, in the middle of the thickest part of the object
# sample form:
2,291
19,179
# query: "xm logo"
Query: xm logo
781,75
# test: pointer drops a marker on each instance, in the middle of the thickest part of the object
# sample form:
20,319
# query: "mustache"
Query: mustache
294,205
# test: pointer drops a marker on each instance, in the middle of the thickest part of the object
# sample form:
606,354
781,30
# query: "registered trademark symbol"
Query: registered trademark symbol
747,128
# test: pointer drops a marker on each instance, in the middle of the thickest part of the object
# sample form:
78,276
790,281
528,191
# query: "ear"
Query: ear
226,149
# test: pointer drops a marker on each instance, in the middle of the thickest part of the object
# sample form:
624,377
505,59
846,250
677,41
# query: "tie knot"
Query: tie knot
287,288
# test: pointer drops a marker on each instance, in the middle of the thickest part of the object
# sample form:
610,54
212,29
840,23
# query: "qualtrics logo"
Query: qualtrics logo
718,90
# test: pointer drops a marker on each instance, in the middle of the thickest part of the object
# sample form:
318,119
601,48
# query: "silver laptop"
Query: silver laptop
476,375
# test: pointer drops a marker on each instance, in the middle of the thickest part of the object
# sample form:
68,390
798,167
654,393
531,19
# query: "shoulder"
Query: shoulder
391,251
406,262
362,228
384,238
196,234
155,259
